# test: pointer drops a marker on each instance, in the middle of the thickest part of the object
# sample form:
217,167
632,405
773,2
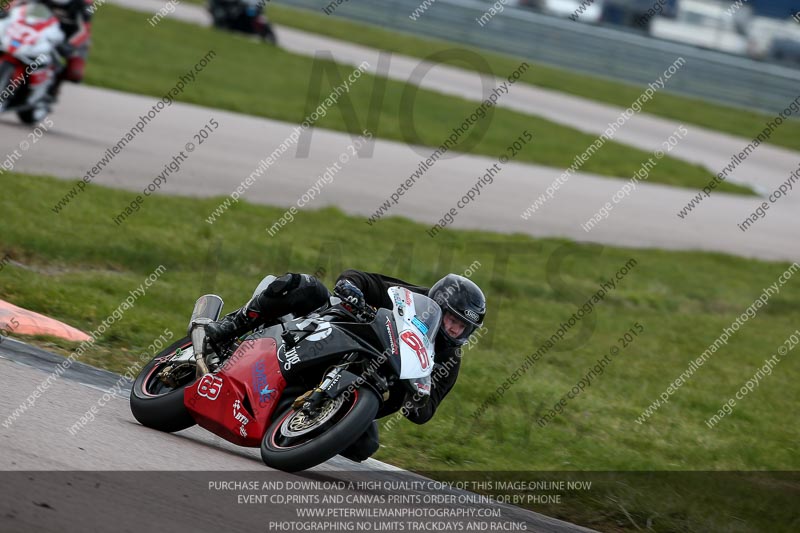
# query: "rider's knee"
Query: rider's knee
309,294
74,71
292,293
366,445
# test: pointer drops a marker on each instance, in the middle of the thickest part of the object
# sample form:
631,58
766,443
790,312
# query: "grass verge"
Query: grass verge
80,267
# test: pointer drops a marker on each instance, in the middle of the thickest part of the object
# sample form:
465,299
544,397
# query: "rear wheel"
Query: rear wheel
157,393
295,441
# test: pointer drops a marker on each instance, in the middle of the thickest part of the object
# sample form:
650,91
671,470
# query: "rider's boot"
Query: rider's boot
232,325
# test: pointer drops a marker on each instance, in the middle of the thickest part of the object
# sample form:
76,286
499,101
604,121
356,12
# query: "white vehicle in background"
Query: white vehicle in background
581,10
772,38
578,10
703,24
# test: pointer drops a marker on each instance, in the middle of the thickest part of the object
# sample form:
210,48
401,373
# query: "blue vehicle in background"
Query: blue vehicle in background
637,13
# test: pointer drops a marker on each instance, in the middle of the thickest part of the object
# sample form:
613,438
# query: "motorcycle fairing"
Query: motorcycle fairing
238,401
315,342
417,318
29,33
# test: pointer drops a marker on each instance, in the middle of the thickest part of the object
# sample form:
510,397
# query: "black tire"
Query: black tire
30,117
349,422
156,405
268,35
217,19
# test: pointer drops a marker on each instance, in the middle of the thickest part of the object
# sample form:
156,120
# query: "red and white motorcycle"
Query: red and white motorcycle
29,60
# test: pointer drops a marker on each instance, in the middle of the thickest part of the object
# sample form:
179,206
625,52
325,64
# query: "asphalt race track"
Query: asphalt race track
52,478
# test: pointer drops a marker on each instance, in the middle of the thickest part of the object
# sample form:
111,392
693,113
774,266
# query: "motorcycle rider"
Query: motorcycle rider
463,309
242,15
74,18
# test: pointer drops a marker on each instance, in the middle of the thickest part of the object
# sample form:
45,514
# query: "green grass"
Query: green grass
726,119
249,77
80,266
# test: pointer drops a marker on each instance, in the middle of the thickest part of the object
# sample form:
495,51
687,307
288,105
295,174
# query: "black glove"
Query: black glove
353,299
65,49
417,401
413,403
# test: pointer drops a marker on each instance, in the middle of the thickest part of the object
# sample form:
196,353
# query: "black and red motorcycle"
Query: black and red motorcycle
304,389
246,16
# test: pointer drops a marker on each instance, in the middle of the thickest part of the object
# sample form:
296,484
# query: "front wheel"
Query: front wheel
157,393
295,441
268,35
6,87
35,115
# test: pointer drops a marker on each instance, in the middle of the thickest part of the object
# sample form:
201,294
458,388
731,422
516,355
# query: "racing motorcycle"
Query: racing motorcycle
29,37
244,16
303,389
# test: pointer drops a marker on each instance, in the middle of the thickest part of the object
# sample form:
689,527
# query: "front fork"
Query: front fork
14,70
336,382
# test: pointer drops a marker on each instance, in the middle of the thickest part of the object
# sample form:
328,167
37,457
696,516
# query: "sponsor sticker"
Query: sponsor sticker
261,383
392,340
240,417
288,358
420,324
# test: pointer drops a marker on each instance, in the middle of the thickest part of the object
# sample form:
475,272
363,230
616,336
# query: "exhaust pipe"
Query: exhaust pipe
206,310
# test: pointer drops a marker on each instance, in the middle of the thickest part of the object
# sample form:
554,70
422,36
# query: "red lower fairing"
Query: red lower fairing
237,403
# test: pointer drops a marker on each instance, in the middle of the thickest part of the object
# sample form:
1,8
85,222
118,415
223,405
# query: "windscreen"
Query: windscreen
417,311
38,11
427,316
417,318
